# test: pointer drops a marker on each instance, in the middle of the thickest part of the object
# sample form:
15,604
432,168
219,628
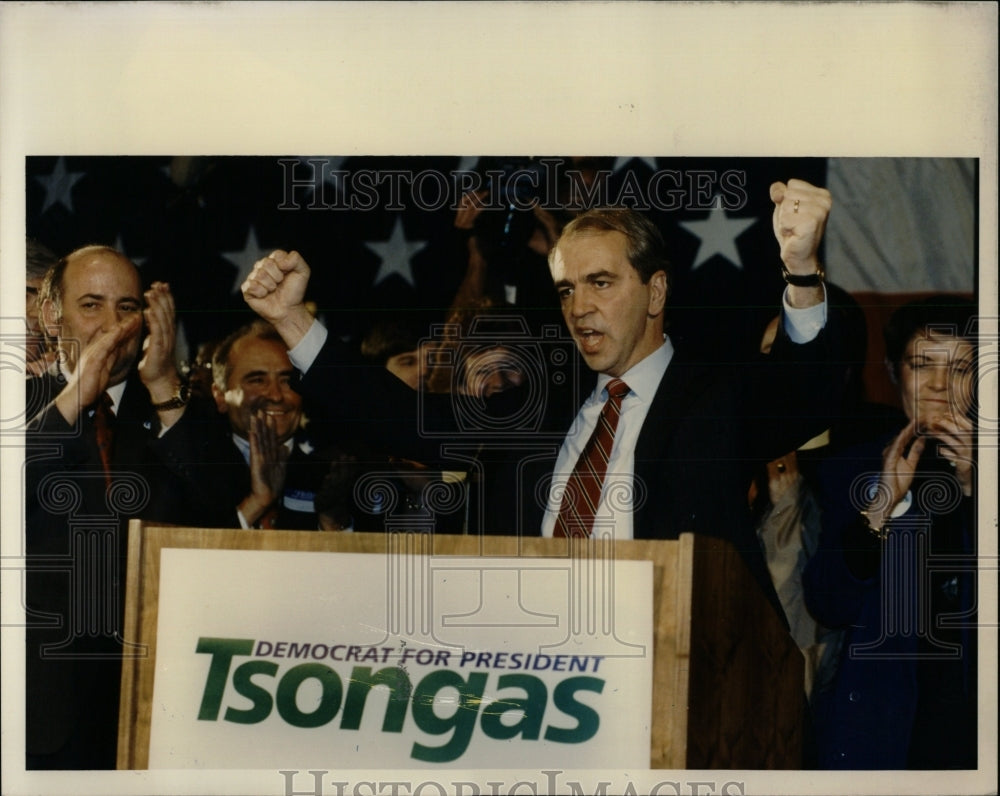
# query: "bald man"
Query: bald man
79,498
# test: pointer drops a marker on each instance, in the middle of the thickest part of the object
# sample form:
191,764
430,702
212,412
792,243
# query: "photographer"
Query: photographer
511,227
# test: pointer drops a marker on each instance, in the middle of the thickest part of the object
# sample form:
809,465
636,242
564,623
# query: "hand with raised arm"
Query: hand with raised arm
276,290
799,219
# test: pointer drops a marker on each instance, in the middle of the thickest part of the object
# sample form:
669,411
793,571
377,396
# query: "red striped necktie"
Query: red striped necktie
104,431
583,489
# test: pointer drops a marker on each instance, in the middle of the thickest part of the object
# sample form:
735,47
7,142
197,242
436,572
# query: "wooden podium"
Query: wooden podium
727,677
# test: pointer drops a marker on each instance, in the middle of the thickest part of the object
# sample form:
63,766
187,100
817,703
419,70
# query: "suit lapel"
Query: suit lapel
681,385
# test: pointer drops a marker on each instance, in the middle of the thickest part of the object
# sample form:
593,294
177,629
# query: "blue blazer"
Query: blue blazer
880,592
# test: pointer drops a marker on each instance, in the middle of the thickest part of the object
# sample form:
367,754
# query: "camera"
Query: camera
541,372
504,227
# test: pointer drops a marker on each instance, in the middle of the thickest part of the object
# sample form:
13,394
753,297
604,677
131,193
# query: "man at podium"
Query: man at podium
689,432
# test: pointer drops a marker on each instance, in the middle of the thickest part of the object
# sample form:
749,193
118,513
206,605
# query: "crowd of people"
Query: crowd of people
489,428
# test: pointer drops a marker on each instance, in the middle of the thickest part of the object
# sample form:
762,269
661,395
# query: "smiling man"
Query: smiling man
252,387
258,469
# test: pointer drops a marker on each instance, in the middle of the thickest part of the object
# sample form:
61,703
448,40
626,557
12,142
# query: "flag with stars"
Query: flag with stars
380,237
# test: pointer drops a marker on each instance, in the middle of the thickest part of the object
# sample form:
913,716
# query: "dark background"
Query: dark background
193,222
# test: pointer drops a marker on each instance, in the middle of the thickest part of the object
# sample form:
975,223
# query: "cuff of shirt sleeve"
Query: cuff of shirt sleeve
308,348
803,324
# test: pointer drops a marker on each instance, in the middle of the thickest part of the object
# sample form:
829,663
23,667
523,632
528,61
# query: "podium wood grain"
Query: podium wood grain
727,678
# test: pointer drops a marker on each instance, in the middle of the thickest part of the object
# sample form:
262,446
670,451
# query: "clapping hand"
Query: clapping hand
96,363
268,466
954,436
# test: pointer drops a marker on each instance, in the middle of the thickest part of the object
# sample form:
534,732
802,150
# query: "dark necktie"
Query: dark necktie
104,430
583,489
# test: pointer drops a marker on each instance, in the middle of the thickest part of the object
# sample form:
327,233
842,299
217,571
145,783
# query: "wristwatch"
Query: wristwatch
803,280
179,400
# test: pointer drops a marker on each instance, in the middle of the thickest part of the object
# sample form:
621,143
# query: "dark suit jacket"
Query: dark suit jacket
708,426
216,477
75,541
901,698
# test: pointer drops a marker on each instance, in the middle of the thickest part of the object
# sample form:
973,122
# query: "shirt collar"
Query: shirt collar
115,392
644,377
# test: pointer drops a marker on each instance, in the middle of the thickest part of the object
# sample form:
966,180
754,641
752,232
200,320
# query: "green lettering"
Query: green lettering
246,687
222,651
329,702
363,681
587,719
531,708
463,720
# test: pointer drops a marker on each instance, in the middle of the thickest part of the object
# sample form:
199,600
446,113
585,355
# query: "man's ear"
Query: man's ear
51,318
659,290
220,399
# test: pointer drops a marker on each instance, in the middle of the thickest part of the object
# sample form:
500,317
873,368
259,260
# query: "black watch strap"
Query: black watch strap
803,280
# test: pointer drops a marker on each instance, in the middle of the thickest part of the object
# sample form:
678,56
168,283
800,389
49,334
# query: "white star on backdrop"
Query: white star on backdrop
245,259
120,246
59,185
621,163
395,254
718,235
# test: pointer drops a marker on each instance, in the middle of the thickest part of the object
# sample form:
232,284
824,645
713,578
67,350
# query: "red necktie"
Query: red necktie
103,418
583,489
269,518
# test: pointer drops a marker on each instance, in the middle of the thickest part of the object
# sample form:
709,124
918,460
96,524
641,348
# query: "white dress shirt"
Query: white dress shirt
308,348
614,512
115,391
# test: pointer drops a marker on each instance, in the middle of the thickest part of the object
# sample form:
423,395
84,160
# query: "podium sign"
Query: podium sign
309,659
277,649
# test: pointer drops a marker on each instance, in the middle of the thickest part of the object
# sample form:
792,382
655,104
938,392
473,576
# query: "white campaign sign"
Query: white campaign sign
348,660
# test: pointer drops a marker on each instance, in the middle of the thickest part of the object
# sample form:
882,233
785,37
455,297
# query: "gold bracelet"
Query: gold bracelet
882,533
